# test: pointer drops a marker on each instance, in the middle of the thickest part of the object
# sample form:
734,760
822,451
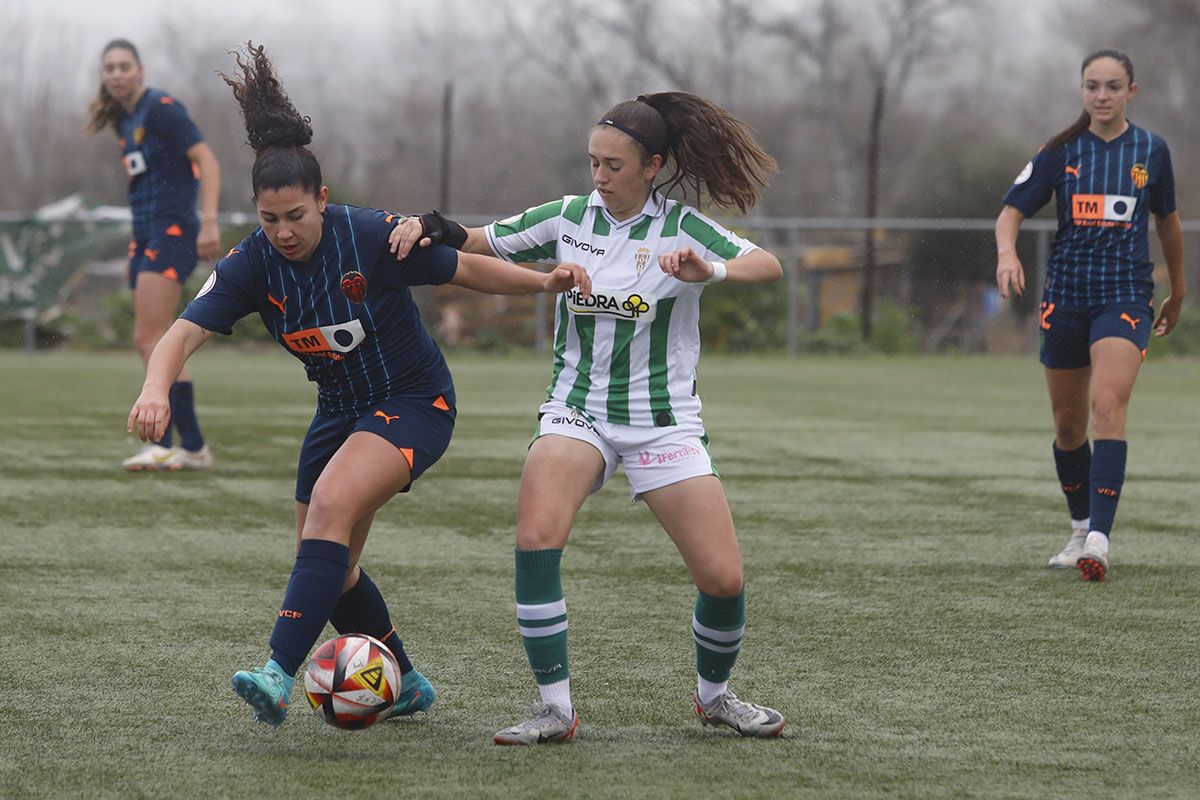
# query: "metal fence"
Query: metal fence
40,253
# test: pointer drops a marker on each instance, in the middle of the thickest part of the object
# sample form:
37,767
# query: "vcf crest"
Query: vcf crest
642,259
1140,176
354,286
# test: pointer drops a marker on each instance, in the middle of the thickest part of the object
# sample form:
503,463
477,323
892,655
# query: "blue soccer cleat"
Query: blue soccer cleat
416,694
266,690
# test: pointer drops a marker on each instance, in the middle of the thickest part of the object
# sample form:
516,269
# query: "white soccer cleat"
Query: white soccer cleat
551,725
748,719
1093,562
189,459
149,459
1067,557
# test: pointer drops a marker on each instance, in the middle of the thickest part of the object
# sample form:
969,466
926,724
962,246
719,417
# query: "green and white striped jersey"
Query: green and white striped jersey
628,353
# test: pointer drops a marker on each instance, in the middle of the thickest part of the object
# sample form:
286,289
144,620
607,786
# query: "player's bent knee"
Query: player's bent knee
724,584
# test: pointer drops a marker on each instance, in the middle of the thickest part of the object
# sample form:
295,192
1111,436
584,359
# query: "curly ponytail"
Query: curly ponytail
705,147
275,130
104,111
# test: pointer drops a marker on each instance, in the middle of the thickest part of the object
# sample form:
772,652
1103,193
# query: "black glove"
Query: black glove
440,230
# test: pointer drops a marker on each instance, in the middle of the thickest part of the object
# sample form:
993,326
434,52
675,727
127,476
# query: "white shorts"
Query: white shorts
652,457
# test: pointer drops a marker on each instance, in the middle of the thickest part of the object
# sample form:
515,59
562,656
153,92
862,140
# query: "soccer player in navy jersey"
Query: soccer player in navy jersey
328,289
1108,177
167,160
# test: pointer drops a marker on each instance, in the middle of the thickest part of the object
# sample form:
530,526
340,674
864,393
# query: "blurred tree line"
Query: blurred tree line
926,91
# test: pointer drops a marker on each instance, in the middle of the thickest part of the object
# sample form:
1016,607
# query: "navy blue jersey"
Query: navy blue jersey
154,141
347,312
1105,192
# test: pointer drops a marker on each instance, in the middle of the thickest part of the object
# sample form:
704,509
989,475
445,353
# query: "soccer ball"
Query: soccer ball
352,681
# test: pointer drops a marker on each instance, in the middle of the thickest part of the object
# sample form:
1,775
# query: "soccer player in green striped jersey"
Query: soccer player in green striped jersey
623,388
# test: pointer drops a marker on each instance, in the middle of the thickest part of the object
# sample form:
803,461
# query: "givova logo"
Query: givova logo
619,305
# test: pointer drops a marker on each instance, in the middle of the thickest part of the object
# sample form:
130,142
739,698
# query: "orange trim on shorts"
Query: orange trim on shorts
174,230
151,254
441,404
407,452
170,272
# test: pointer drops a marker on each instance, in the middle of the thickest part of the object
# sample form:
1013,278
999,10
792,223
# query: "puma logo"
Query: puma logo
1133,322
277,303
1072,170
386,418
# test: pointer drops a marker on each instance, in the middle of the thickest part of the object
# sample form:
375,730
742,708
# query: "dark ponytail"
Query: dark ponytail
104,111
704,146
1085,119
274,128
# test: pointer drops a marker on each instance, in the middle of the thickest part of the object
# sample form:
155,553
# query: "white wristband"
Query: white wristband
719,272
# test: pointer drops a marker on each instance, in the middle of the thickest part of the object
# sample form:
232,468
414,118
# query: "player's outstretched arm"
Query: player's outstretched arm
433,228
757,266
493,276
1170,234
152,411
1009,272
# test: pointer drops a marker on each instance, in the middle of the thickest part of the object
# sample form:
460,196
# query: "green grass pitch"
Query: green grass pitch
895,518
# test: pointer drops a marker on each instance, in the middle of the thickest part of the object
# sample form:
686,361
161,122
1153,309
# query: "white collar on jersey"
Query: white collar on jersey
656,204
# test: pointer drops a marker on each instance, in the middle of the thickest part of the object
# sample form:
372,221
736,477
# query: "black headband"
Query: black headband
637,137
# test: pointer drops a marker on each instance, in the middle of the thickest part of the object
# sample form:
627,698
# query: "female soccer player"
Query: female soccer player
165,157
1108,176
623,389
326,287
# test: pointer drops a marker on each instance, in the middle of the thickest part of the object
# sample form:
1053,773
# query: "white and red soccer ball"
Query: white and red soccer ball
352,681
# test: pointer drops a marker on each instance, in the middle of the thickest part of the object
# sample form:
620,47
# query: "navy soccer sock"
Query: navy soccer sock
1074,471
363,610
312,593
1108,475
183,415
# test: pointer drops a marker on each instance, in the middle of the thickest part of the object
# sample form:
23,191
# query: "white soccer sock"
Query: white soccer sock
707,691
557,694
1099,540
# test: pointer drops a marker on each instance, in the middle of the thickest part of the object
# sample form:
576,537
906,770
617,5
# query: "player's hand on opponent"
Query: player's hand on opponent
150,415
1168,315
208,242
405,235
1010,274
568,275
686,265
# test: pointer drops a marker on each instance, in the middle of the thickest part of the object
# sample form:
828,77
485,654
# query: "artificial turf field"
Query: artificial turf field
895,518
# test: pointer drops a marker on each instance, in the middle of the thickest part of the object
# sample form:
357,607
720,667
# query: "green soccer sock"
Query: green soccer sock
718,624
542,614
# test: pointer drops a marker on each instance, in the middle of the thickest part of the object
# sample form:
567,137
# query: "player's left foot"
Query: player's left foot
1092,563
416,694
267,691
748,719
190,459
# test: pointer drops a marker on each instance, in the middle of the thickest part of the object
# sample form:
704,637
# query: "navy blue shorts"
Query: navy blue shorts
419,427
170,250
1068,332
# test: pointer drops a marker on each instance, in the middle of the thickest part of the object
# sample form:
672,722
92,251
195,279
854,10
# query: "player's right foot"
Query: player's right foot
150,458
551,725
265,690
1092,563
1069,555
190,459
416,694
748,719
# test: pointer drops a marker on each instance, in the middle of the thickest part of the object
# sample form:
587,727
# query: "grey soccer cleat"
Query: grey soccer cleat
551,725
748,719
